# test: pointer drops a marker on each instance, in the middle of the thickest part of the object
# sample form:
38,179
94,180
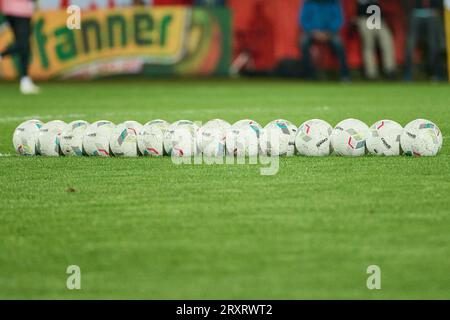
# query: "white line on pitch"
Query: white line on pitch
152,113
56,116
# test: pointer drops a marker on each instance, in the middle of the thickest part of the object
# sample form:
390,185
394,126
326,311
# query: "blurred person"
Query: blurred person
373,37
18,14
321,21
425,18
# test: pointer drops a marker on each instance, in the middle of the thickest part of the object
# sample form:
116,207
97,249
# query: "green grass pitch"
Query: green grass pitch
146,228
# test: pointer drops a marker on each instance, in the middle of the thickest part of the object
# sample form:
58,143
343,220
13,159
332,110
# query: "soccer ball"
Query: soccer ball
151,138
183,141
349,138
384,138
278,138
211,138
411,132
49,137
25,137
426,143
180,137
123,139
96,138
242,139
71,141
313,138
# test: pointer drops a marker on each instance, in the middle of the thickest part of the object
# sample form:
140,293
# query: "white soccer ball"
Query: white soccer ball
184,141
278,138
49,138
151,138
426,143
96,138
123,139
242,139
71,141
413,129
313,138
384,138
26,136
180,138
349,138
211,138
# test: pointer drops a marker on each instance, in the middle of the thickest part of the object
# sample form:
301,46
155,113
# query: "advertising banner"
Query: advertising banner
136,40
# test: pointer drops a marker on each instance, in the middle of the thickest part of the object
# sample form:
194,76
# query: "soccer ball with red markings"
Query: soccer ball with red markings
71,141
123,139
426,144
49,138
384,138
278,138
313,138
184,141
180,139
151,138
242,139
211,138
26,136
96,138
421,137
349,138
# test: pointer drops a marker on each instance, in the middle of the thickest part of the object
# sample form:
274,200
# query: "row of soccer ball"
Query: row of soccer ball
184,138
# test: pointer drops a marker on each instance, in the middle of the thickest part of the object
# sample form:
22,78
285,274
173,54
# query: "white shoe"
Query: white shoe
28,87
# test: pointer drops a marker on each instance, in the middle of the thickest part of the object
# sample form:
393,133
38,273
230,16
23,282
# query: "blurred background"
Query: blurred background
305,39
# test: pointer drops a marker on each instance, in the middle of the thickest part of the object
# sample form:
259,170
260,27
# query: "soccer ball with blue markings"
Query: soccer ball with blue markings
426,144
421,137
184,142
96,138
180,139
349,138
123,140
71,142
242,139
384,138
211,138
313,138
26,136
278,138
49,138
151,138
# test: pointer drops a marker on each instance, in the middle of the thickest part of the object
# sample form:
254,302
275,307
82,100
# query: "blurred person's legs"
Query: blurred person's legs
442,49
338,48
413,34
307,64
430,26
387,49
368,38
21,27
432,34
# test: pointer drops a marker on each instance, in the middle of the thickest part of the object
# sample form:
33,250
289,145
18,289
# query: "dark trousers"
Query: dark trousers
430,28
21,28
336,45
